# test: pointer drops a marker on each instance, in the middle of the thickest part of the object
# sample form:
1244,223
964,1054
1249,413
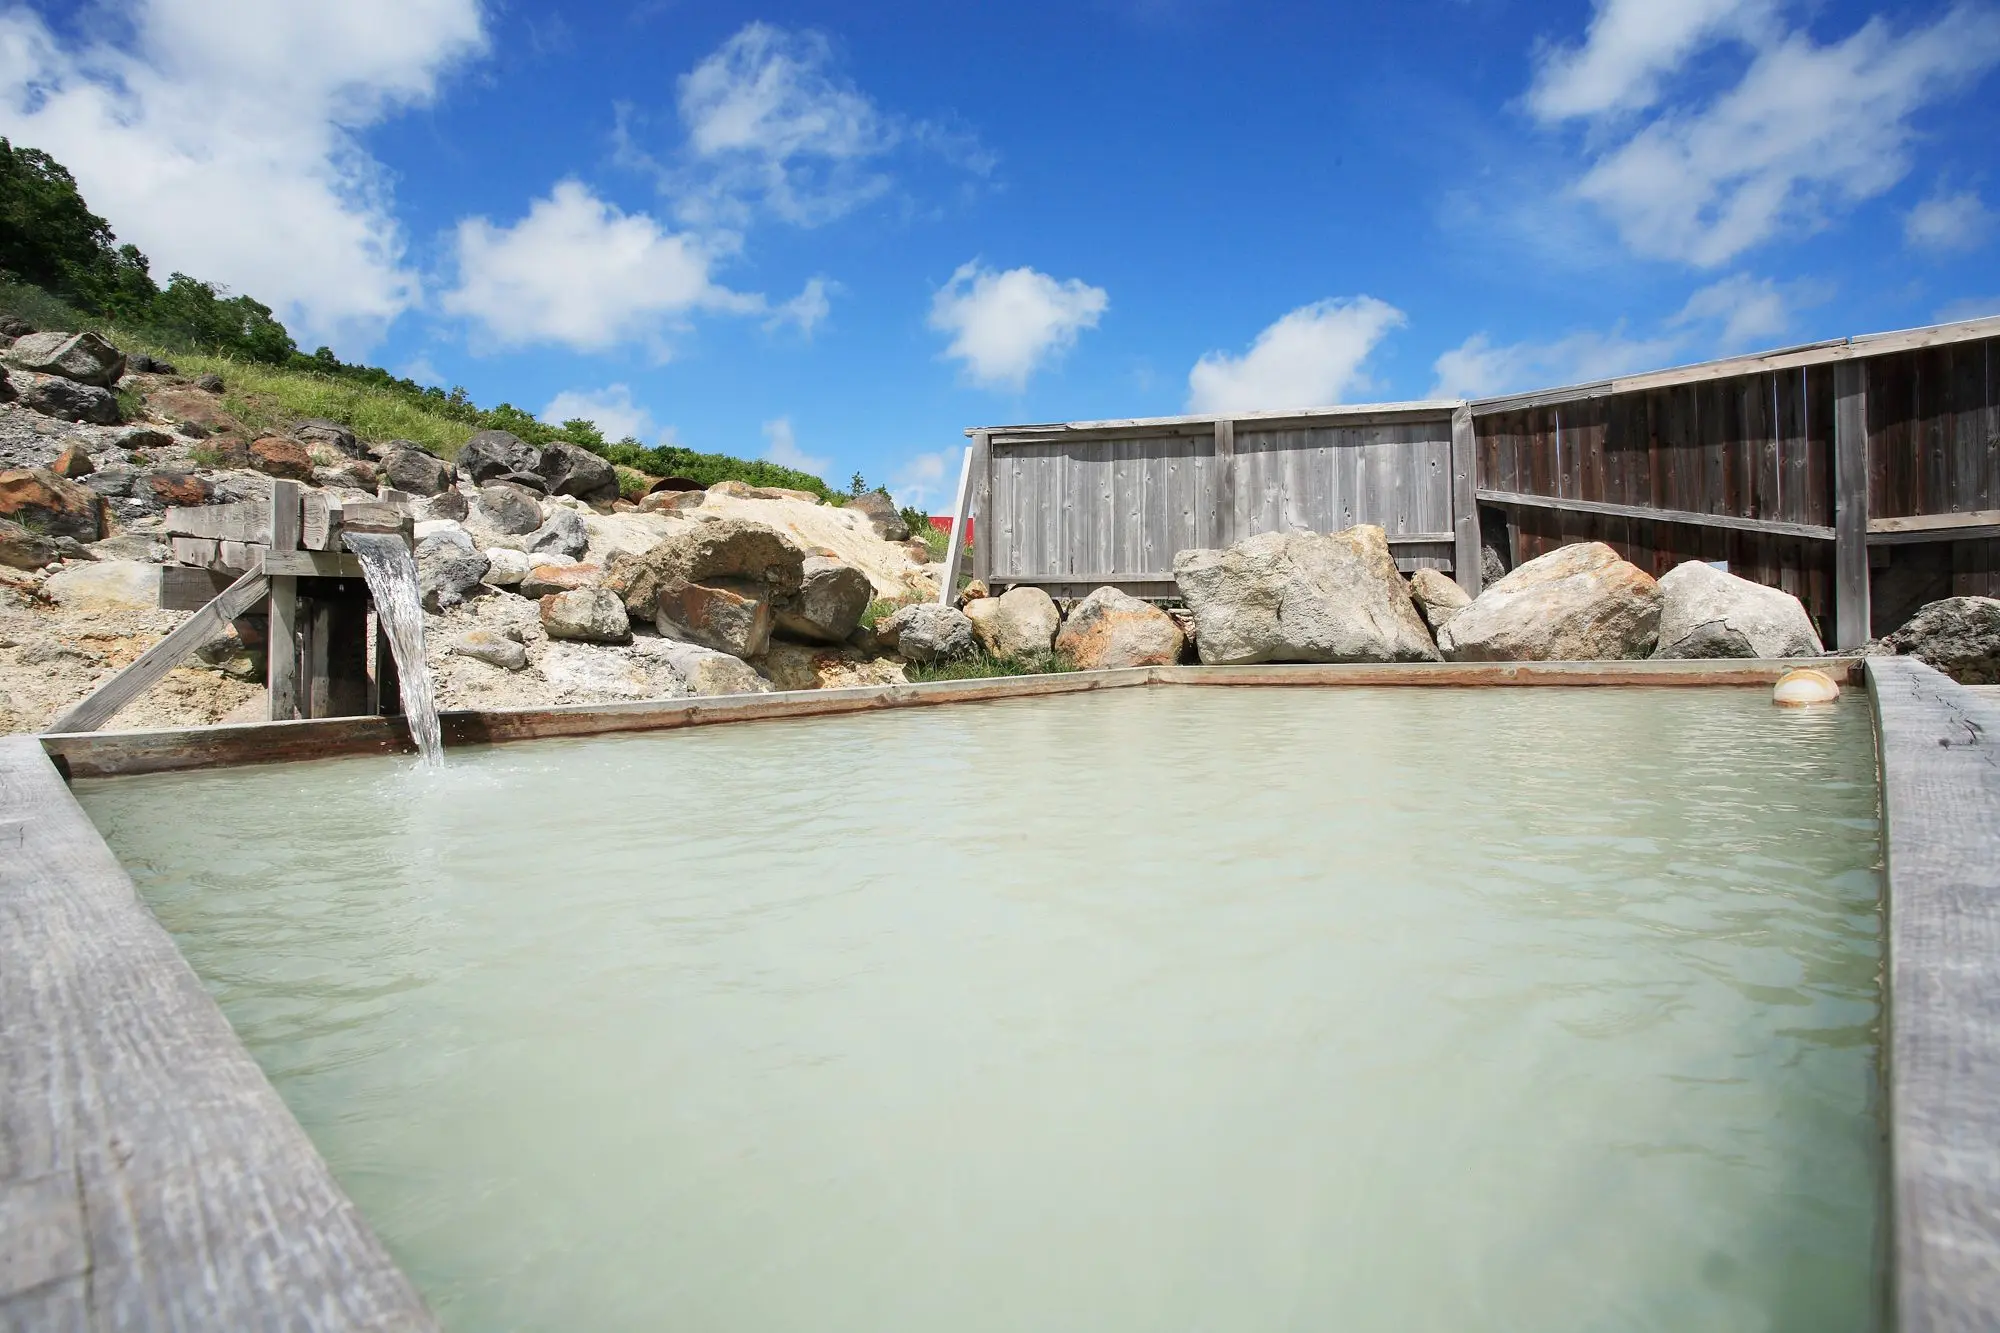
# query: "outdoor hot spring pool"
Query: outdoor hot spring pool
1396,1009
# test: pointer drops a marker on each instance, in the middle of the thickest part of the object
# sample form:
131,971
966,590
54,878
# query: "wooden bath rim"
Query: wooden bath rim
151,1176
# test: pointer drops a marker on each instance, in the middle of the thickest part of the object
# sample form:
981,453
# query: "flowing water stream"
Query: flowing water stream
399,611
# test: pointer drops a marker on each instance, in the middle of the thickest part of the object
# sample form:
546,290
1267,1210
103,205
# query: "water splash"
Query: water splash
392,578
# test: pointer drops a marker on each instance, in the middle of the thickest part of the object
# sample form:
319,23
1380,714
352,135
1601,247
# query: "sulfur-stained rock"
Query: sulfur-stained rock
832,596
1112,629
275,456
1577,603
106,585
728,549
729,615
541,580
73,463
52,506
180,489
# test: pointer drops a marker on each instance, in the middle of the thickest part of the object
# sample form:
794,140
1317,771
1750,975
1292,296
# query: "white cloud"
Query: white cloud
222,140
1948,222
1971,307
1005,326
420,369
610,409
805,310
1749,310
1478,369
782,448
1807,129
1312,357
919,481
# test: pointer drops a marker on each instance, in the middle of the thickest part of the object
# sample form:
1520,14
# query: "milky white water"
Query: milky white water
1162,1009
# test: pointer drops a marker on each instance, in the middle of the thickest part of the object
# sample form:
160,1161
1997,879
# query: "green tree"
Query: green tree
235,325
50,238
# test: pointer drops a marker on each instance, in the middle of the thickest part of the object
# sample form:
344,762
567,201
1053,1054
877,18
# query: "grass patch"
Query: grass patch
632,483
882,608
982,665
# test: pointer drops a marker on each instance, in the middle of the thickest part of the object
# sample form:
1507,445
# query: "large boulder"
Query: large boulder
276,456
83,357
1707,613
832,596
506,567
1302,597
22,549
52,506
507,509
408,468
729,615
1021,622
319,430
882,516
449,503
569,470
705,671
730,548
53,396
106,585
593,615
1960,636
928,632
561,533
544,579
1113,629
449,571
493,648
1436,597
494,453
1577,603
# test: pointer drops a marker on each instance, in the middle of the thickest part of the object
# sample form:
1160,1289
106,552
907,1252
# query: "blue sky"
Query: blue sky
838,235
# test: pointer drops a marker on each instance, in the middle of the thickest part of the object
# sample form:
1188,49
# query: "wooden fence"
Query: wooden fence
1861,474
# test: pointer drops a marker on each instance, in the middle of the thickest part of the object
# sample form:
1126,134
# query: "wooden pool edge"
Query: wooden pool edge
119,753
1938,748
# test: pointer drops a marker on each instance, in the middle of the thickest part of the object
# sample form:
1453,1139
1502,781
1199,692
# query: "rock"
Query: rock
1707,613
1111,629
508,509
448,574
492,648
1492,566
1960,636
1436,597
493,453
928,632
973,591
449,504
668,501
183,489
52,506
531,482
22,549
1302,597
130,546
743,490
729,548
730,615
318,430
13,326
427,528
541,580
409,468
140,364
1020,623
275,456
1577,603
570,470
67,400
832,596
561,533
143,437
882,515
593,615
706,672
106,585
193,412
82,357
350,474
73,463
505,568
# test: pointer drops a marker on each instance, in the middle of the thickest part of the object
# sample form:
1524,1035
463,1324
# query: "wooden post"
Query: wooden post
948,591
316,689
979,514
1850,504
281,654
1465,501
1225,482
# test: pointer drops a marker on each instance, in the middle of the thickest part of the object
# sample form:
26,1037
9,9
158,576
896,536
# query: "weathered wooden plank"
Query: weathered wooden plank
961,506
1464,503
183,588
244,521
981,507
314,564
1850,544
240,555
281,650
1935,527
102,703
1939,750
1807,530
197,552
1439,409
319,516
1229,529
138,1139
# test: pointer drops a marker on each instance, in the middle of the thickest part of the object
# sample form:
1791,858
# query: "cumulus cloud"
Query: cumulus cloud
221,138
1808,128
1313,357
781,446
1971,307
1005,326
610,409
920,482
1743,310
1947,222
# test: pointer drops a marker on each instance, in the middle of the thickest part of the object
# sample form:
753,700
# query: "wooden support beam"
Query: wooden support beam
281,653
1465,501
980,518
319,515
1809,531
1972,525
244,521
961,506
1225,482
186,589
1850,504
101,704
314,564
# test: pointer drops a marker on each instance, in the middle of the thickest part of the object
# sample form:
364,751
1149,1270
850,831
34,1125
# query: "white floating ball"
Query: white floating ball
1804,686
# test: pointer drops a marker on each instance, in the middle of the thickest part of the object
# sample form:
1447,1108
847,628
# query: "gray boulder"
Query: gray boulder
21,548
1707,613
883,516
928,632
508,509
82,357
561,533
593,615
67,400
493,453
449,571
1960,636
705,671
729,548
1302,597
449,504
1577,603
832,596
1021,622
569,470
492,648
408,468
1111,629
319,430
1436,597
729,615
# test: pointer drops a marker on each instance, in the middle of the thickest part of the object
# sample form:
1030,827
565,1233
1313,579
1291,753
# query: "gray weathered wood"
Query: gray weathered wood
197,552
281,656
1226,525
243,521
1850,504
102,703
1939,750
979,517
183,588
1776,527
319,515
961,504
150,1177
314,564
1465,502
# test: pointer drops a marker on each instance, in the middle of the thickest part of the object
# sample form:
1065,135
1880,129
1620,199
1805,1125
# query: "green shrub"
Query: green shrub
982,665
633,485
